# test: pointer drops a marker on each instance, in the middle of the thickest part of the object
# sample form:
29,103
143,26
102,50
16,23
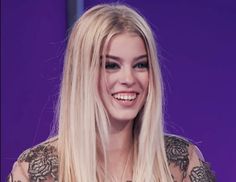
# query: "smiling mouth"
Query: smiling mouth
125,96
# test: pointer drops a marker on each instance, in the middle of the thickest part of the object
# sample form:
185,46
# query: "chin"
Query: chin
124,117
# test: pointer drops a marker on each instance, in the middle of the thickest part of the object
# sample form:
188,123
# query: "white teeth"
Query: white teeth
125,96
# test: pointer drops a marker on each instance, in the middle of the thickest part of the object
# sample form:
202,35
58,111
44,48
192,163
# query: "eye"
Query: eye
111,65
141,65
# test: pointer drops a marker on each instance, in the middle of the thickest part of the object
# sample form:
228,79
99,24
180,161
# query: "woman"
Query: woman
110,110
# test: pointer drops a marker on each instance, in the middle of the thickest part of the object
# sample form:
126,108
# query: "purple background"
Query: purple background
197,45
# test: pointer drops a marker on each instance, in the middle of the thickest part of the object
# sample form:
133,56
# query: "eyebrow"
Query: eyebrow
118,58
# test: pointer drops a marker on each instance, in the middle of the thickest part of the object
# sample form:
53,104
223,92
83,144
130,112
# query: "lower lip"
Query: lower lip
126,103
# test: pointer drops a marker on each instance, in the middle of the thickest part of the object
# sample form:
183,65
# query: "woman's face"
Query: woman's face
124,77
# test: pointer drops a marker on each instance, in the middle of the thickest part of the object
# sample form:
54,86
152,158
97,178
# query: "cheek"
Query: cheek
144,81
106,83
110,81
102,84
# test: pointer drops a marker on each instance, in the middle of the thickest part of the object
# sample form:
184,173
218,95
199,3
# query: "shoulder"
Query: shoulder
45,149
177,150
186,161
39,163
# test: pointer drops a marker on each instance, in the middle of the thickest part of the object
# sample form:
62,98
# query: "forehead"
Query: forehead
126,45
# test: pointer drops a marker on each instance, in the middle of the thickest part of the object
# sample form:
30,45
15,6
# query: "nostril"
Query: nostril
127,79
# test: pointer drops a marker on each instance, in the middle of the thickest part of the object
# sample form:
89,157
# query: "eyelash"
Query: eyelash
140,65
111,65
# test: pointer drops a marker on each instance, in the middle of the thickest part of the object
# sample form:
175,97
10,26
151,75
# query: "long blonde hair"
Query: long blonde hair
83,121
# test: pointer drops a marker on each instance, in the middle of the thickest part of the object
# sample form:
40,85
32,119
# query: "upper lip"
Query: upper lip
125,91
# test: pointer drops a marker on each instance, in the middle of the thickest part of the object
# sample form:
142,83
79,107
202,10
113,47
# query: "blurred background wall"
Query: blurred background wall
196,43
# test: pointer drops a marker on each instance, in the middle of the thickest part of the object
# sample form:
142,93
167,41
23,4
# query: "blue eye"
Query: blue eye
110,65
141,65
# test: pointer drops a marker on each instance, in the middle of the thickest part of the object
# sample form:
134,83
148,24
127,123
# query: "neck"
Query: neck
121,136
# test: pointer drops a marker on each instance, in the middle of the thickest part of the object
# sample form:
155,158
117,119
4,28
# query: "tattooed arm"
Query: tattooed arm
37,164
186,162
198,170
18,173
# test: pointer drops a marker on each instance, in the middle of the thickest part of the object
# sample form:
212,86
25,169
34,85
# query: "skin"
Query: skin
123,87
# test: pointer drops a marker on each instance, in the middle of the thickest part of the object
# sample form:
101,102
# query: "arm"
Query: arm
186,162
39,163
198,170
18,173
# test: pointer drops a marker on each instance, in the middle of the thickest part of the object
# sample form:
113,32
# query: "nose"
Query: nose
127,77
